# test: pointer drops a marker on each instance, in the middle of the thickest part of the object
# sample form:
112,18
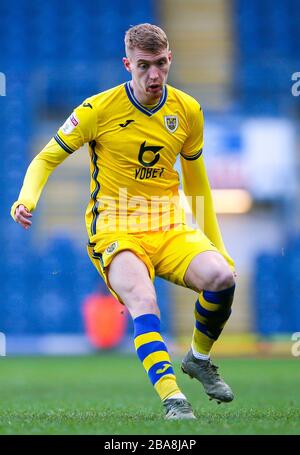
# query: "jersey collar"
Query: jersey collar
142,108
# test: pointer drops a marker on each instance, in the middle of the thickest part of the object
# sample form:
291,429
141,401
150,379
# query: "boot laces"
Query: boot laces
211,370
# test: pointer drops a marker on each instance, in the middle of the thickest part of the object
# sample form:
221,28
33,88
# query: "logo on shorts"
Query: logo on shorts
111,248
171,122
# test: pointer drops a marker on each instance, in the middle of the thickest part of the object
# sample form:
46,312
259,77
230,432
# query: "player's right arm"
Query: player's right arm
35,179
79,128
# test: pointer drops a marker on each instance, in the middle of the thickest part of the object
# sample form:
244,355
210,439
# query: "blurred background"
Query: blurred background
240,60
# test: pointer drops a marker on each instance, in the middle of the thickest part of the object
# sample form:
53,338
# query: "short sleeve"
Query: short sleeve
192,147
79,128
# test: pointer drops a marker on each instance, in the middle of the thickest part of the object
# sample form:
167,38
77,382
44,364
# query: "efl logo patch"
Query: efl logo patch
74,120
111,248
70,124
171,122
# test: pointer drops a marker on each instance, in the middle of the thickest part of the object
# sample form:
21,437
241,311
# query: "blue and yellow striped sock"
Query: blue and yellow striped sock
212,310
154,355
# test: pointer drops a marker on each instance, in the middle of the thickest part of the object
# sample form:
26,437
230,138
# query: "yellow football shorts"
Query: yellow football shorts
166,254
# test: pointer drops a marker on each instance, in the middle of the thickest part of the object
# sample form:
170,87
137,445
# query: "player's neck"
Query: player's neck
142,97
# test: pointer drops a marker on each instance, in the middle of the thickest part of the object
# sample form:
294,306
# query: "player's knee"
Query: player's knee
146,302
142,301
220,278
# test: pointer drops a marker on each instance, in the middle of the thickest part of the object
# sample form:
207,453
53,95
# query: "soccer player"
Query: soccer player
135,131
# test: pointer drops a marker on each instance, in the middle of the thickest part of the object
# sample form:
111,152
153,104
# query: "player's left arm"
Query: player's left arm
196,183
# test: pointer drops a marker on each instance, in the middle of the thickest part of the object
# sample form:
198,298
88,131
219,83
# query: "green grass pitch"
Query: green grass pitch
110,394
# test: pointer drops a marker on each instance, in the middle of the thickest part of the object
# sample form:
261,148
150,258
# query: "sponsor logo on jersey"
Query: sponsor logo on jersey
145,173
111,248
70,124
171,122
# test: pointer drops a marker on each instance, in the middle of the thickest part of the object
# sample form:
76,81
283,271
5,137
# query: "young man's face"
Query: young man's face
149,73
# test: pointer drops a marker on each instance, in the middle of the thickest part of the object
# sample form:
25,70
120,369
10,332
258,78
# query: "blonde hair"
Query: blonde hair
146,37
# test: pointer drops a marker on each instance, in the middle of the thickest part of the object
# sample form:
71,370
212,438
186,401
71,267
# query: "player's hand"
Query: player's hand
22,216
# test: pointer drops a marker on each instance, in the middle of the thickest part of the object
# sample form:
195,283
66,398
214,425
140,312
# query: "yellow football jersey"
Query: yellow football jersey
133,150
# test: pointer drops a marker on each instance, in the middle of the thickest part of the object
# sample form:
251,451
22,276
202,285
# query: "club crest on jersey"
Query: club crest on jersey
111,248
70,124
171,122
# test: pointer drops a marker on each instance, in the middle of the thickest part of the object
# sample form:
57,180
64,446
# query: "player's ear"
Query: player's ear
126,63
170,56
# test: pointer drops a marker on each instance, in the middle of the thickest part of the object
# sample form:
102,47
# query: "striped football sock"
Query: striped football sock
154,355
212,310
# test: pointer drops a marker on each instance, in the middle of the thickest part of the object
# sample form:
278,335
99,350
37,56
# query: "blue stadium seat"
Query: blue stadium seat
277,299
267,35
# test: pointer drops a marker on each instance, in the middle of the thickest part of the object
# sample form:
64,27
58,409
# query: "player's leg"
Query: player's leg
129,278
209,274
188,258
